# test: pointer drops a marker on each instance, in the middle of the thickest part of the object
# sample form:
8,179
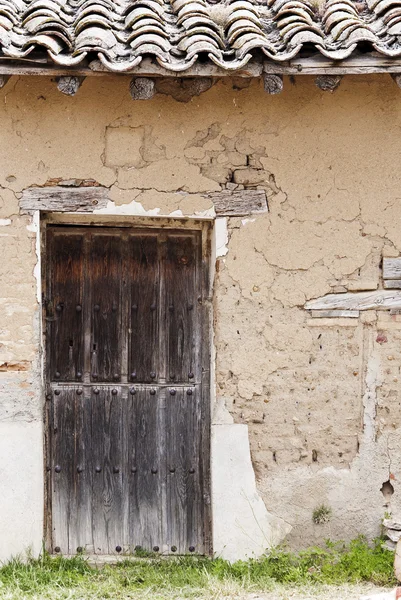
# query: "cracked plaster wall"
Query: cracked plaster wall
321,397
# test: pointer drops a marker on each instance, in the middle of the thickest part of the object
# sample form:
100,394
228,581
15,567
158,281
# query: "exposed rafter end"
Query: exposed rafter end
69,85
397,78
273,84
3,80
142,88
328,83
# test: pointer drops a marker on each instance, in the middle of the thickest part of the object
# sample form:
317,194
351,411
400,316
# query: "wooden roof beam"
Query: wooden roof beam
273,84
328,83
3,80
70,84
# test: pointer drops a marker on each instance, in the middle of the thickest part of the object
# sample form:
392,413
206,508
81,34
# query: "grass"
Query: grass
190,577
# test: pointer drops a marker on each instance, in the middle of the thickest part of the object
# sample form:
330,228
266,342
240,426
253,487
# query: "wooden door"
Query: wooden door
128,425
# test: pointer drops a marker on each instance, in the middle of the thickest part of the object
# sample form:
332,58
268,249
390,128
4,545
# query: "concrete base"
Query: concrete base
242,526
22,498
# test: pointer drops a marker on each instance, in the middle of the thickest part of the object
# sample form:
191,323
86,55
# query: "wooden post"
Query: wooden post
273,84
3,80
142,88
69,85
328,83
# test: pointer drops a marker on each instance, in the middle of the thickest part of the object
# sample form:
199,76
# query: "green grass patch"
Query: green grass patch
187,577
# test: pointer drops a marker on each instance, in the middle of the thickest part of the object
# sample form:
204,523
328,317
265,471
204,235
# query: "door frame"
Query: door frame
205,226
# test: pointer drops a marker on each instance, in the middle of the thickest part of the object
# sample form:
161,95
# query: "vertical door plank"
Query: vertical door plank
84,471
146,467
144,308
108,455
181,309
63,470
64,314
106,283
71,470
184,493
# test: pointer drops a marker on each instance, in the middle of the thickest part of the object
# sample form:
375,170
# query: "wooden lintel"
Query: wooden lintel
64,199
238,203
375,300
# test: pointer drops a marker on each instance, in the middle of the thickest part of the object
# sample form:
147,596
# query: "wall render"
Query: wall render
320,397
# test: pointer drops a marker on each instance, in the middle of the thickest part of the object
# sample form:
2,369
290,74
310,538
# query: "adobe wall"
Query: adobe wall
320,397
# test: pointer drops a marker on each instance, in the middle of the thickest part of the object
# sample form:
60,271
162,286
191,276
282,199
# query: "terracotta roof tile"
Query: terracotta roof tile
178,32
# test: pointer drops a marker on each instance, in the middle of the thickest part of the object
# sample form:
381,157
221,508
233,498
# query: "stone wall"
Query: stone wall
321,397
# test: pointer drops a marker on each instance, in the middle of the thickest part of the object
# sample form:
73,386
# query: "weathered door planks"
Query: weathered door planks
129,441
64,312
143,264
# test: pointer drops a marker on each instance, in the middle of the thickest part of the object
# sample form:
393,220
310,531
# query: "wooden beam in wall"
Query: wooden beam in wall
238,203
374,300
